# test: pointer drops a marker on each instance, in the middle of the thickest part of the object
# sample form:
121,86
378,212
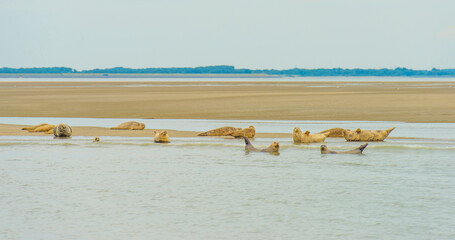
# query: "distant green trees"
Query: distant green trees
37,70
225,69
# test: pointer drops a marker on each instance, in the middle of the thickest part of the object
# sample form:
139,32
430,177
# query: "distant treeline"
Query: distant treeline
232,70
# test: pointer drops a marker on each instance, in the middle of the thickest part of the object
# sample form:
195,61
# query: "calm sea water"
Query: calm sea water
229,79
209,188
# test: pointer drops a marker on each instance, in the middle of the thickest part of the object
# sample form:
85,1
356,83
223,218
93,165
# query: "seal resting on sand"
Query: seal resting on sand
248,132
161,137
273,148
306,137
367,135
34,127
219,131
44,127
63,131
334,132
359,150
131,125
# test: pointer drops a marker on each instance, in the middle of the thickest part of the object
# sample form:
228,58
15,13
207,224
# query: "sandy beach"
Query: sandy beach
370,101
374,101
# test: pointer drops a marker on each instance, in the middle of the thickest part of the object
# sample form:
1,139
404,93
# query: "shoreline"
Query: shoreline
88,131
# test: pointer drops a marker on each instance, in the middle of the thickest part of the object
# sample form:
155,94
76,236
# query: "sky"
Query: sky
255,34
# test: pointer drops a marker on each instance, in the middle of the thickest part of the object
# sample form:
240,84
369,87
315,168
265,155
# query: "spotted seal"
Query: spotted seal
367,135
62,131
161,137
273,148
359,150
131,125
306,137
219,131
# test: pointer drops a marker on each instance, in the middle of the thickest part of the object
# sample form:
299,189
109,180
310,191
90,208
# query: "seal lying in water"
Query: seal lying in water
273,148
248,132
161,137
359,150
44,127
334,132
96,139
306,137
62,131
219,131
366,135
132,125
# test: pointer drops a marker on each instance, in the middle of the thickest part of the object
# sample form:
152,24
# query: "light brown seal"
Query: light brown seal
62,131
44,127
334,132
367,135
131,125
34,127
219,131
248,132
306,137
161,137
359,150
273,148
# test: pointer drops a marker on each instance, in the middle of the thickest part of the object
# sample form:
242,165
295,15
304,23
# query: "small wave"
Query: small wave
412,147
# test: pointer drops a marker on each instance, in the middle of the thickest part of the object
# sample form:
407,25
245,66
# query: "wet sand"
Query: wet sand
369,101
15,130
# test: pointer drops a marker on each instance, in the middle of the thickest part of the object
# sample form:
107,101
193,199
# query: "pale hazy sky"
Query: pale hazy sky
280,34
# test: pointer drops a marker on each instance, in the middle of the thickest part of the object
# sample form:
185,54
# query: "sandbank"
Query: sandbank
272,100
15,130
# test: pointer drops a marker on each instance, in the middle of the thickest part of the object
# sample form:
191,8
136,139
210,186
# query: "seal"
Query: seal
334,132
367,135
248,132
43,128
219,131
131,125
359,150
96,139
161,137
306,137
273,148
62,131
34,127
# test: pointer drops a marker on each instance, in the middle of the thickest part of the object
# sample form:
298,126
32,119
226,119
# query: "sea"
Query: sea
210,188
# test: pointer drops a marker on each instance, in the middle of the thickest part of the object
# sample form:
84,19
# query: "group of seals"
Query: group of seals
60,131
64,131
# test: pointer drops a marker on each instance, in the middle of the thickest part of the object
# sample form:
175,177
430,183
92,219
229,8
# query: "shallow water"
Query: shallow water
209,188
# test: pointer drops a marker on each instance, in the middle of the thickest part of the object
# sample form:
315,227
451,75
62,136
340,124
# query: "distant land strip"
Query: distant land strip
219,71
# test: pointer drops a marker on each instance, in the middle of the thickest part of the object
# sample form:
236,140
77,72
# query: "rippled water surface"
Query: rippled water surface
209,188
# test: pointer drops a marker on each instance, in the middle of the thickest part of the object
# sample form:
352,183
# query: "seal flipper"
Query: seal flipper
247,142
248,145
361,148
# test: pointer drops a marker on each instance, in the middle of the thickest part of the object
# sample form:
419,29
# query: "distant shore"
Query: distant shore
131,75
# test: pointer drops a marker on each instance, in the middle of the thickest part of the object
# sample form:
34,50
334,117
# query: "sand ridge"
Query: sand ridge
278,100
